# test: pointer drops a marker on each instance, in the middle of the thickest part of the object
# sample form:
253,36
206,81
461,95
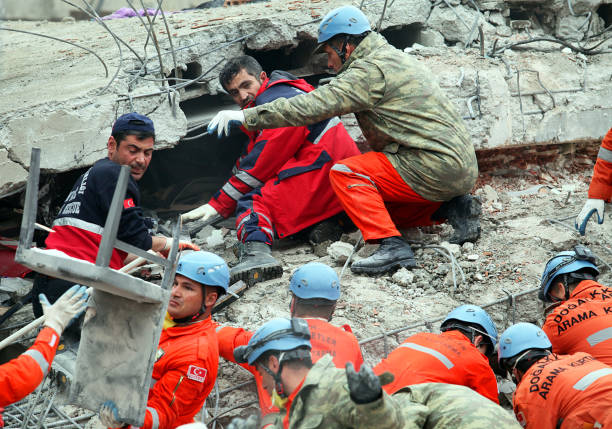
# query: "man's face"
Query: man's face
244,87
267,381
333,60
186,297
133,152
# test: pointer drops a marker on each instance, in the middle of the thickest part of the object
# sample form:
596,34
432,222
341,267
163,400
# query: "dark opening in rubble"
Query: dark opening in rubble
519,14
193,71
605,12
287,58
402,36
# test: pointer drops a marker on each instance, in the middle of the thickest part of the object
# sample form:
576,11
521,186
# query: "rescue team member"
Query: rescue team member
423,162
323,396
582,318
187,356
554,391
600,190
281,184
78,226
315,289
456,356
19,377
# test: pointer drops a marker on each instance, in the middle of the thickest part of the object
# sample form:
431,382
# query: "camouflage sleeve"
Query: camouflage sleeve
358,88
389,413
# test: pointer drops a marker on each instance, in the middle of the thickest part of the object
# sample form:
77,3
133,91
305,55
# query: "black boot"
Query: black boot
256,264
393,253
463,213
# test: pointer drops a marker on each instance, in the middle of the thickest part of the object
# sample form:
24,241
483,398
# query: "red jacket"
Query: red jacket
601,182
19,377
583,323
571,391
325,339
183,375
281,153
448,357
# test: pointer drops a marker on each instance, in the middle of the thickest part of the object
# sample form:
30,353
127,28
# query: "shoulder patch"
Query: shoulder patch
196,373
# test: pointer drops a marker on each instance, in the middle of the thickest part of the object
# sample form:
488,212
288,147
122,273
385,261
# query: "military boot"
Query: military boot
393,253
463,213
256,264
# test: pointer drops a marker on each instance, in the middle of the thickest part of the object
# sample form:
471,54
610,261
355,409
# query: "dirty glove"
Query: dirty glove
364,385
202,213
182,245
591,206
109,415
224,120
68,306
250,423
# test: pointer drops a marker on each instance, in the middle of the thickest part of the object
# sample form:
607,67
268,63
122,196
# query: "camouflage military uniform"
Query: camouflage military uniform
401,111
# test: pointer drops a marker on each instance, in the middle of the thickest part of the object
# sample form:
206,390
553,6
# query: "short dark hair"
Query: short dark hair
140,135
316,307
293,363
470,330
351,39
235,65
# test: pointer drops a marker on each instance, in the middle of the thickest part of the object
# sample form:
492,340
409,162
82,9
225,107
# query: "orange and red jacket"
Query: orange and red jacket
583,323
22,375
565,391
325,338
448,358
183,374
601,182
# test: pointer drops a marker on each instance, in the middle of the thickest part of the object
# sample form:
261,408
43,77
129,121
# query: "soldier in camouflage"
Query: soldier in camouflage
423,163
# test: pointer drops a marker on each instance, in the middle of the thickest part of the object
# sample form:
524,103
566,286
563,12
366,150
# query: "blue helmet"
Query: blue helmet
474,314
277,334
315,280
205,268
343,20
566,262
521,337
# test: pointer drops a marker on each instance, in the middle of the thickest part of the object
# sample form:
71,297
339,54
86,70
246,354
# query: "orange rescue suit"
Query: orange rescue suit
448,358
565,391
601,182
325,339
583,323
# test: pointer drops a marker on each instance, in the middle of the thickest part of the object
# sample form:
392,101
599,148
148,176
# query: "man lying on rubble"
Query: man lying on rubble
423,163
280,185
22,375
580,318
323,396
77,229
187,356
315,289
600,190
554,391
459,355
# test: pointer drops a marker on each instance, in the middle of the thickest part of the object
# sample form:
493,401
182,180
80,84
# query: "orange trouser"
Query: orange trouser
376,197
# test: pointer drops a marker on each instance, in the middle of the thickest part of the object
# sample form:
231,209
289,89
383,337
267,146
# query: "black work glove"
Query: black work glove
252,422
364,385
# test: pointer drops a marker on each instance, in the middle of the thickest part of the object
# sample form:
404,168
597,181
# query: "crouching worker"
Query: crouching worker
323,396
22,375
187,355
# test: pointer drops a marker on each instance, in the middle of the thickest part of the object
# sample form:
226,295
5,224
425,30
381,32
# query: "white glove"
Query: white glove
224,120
203,213
109,415
591,206
68,306
192,426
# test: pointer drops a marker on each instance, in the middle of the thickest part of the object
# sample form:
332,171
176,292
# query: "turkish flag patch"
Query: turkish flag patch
128,203
196,373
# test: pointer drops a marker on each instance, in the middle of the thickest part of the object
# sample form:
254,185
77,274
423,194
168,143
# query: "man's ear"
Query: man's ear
111,146
273,363
211,296
557,290
262,76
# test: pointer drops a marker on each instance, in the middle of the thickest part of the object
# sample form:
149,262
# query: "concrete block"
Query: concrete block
215,239
14,175
339,251
431,37
16,287
567,28
444,20
454,249
403,277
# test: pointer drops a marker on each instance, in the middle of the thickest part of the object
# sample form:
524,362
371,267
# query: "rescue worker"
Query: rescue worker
187,356
459,355
581,315
423,163
280,186
554,391
20,376
77,229
600,190
322,396
315,289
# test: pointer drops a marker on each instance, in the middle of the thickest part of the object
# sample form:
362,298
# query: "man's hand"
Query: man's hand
202,213
69,306
251,423
364,385
591,206
183,245
109,415
224,120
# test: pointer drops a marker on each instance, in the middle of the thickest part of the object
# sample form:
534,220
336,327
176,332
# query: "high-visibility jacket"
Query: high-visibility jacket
583,323
601,182
183,374
565,391
20,376
448,357
325,338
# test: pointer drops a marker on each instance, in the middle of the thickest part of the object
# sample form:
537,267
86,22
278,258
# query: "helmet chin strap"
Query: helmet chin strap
193,317
342,52
278,384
